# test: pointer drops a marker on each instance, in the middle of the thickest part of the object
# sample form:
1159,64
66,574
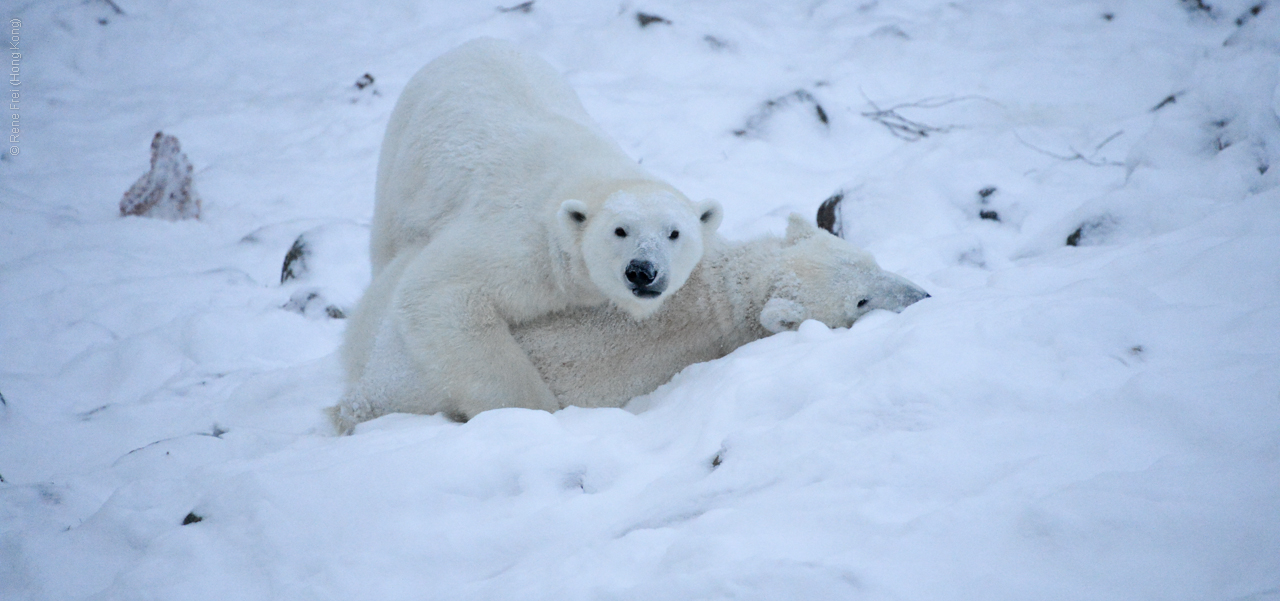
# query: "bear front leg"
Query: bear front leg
464,354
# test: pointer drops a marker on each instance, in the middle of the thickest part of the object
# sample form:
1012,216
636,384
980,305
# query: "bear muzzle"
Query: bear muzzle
897,293
644,280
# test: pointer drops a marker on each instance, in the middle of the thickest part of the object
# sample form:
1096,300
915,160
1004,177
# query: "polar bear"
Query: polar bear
600,357
739,293
499,201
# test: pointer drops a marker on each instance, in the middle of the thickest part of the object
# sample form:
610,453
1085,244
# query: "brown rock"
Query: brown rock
165,192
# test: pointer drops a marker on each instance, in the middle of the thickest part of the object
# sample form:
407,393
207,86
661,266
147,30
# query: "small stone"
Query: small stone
646,19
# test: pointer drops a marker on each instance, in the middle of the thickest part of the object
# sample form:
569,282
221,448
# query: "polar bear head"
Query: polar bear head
641,244
827,279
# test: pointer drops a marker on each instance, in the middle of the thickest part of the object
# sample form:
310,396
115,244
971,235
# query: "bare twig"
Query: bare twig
908,129
1108,140
1075,154
757,121
902,127
1170,99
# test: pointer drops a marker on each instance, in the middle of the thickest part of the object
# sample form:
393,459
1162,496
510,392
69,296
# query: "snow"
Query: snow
1096,421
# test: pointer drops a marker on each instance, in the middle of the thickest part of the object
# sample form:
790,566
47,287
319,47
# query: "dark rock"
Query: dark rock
829,214
1092,232
1073,239
1250,14
1197,6
715,42
313,304
523,7
323,272
295,261
646,19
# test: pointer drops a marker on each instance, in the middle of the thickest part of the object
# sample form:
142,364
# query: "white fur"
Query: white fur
601,357
497,203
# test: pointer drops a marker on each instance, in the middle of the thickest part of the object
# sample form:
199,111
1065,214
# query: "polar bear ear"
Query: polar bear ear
781,315
798,229
573,214
710,213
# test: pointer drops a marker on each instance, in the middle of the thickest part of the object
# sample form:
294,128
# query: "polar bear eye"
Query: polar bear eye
621,233
862,303
674,234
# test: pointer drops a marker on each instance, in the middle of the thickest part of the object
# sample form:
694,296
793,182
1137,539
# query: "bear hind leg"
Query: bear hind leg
466,356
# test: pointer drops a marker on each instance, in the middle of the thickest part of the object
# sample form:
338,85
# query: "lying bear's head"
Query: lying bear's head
641,244
830,280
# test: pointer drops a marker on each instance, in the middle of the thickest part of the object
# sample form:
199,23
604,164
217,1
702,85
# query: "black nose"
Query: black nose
641,273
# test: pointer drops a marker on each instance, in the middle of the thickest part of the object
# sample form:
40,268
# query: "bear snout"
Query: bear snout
643,276
905,295
914,296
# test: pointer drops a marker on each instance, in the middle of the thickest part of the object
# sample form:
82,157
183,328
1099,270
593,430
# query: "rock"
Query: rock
325,272
165,192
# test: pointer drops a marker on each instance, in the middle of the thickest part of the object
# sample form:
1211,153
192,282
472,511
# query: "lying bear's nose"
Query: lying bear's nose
641,273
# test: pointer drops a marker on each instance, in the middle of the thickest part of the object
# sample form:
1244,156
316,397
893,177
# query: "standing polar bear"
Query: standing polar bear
498,202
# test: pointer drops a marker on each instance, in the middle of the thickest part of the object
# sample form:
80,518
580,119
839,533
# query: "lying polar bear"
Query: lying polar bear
601,357
499,202
739,293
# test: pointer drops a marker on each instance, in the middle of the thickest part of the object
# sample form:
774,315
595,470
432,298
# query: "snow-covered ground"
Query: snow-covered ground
1089,421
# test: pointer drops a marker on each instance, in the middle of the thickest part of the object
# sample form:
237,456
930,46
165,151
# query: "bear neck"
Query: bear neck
569,275
748,272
